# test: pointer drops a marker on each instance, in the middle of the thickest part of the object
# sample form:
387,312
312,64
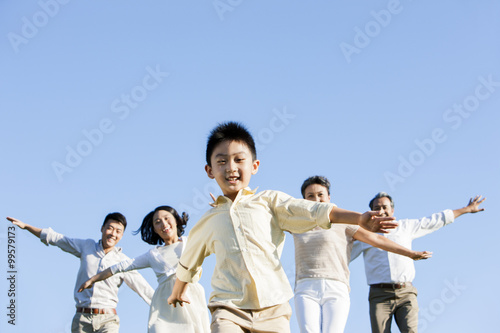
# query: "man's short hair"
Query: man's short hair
381,195
118,217
320,180
229,131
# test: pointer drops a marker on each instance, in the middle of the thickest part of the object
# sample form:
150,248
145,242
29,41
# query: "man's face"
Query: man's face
232,167
383,206
316,192
112,232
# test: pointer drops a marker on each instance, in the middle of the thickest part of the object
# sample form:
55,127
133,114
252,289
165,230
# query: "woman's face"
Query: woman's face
165,225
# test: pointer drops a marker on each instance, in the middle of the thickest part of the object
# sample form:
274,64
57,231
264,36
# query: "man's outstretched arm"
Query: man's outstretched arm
472,207
34,230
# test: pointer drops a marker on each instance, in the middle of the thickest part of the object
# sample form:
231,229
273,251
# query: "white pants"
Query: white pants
321,305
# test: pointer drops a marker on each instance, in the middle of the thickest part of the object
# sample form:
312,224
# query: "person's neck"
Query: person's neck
171,241
108,249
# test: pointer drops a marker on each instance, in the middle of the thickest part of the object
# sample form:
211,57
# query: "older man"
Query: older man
390,276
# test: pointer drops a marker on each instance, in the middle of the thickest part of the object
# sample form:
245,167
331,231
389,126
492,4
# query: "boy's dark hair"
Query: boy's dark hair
320,180
381,195
147,231
230,131
118,217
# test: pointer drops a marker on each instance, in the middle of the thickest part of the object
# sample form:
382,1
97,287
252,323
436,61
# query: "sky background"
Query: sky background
106,106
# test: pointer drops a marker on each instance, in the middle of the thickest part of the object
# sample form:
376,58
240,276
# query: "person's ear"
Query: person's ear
208,170
255,166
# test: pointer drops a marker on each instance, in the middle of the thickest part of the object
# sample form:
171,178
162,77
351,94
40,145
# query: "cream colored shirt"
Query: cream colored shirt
247,237
323,253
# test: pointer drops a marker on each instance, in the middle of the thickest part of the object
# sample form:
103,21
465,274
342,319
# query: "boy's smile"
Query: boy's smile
232,167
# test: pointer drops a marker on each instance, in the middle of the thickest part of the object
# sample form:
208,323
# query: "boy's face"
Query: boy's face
232,167
316,192
112,232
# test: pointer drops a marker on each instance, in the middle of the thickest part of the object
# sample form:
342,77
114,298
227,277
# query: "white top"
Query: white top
387,267
163,318
93,260
162,259
321,253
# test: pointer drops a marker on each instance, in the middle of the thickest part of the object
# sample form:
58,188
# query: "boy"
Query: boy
95,307
245,230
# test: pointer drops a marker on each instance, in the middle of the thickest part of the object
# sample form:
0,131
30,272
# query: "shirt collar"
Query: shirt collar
221,199
115,249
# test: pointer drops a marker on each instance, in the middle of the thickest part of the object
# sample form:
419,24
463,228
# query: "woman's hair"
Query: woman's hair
147,230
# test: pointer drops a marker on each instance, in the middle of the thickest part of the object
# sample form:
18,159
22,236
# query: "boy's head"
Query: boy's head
230,131
231,157
112,229
316,188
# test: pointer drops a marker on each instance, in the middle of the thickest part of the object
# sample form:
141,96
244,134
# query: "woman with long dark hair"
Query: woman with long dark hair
164,227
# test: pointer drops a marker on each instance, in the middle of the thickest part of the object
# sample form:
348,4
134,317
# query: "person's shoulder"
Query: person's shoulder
272,194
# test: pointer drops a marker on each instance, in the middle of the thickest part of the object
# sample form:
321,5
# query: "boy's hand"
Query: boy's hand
181,299
370,221
179,294
17,222
421,255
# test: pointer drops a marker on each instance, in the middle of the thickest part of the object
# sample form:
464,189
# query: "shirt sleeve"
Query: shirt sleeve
71,245
300,215
426,225
133,279
195,252
139,262
357,249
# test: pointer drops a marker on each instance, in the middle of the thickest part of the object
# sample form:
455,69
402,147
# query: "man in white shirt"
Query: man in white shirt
390,276
96,307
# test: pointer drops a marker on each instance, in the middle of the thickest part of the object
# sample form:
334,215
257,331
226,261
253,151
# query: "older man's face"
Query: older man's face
383,206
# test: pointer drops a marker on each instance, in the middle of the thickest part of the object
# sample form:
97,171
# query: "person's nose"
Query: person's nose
231,166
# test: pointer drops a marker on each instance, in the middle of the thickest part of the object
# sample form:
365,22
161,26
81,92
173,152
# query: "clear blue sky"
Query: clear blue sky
106,106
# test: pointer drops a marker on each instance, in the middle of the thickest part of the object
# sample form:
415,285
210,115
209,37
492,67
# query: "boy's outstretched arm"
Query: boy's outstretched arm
98,277
472,207
179,294
386,244
34,230
369,220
